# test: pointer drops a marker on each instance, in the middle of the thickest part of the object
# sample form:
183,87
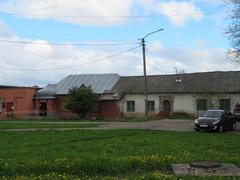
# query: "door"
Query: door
10,109
43,109
167,107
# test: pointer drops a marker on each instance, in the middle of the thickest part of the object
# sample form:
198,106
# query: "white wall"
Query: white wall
182,102
139,103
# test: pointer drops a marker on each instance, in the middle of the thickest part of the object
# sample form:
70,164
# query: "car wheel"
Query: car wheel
220,129
197,129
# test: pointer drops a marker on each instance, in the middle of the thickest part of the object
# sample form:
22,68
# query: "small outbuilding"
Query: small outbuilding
17,101
50,100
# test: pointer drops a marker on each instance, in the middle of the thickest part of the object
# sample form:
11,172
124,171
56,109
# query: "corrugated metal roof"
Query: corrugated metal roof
98,82
48,92
206,82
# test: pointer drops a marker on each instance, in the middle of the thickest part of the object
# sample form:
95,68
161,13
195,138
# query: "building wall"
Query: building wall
51,106
139,104
186,103
61,111
114,109
110,109
55,107
21,99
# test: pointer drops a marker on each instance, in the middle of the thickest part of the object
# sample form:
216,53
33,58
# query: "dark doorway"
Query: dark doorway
43,109
10,109
167,107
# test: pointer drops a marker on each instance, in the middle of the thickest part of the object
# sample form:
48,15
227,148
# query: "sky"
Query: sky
43,41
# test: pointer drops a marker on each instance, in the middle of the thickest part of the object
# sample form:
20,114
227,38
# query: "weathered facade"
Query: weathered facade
191,93
17,101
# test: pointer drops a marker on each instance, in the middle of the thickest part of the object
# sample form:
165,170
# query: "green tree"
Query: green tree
233,30
81,100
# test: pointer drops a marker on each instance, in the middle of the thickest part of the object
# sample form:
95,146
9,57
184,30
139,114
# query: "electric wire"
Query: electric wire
112,16
65,44
73,66
35,10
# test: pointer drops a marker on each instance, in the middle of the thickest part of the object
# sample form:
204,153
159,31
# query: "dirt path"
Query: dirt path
165,125
169,125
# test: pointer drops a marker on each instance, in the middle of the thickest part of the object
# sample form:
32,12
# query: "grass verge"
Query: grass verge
35,125
55,119
108,154
182,115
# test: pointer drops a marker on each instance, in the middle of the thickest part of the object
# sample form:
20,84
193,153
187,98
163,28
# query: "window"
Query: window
225,104
201,104
1,104
130,106
151,106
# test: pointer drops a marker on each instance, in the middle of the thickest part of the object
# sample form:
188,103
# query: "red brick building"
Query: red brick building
17,101
50,100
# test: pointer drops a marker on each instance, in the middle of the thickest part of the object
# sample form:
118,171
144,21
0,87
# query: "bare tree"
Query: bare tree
233,30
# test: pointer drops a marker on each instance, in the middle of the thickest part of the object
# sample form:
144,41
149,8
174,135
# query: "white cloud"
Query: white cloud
200,43
191,60
60,10
57,9
39,48
180,12
161,60
34,56
4,29
214,2
156,46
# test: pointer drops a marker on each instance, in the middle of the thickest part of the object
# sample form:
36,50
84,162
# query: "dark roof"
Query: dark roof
7,87
207,82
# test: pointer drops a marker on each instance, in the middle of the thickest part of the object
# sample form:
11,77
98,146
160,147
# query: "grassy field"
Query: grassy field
48,125
109,154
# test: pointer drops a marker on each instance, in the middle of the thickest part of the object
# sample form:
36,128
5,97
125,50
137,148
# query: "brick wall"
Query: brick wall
110,109
18,100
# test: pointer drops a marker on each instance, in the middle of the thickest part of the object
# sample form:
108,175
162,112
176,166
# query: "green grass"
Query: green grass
35,125
135,154
182,115
130,119
55,119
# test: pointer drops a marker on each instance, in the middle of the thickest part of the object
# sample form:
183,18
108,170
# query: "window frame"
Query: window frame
151,106
225,105
201,104
130,106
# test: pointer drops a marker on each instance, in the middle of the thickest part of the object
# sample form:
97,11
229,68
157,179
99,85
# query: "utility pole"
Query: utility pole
145,76
144,70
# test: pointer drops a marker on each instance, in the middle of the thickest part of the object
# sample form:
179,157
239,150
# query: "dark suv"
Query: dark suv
216,120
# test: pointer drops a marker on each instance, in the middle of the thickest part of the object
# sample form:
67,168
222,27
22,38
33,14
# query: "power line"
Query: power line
114,16
65,44
35,10
73,66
